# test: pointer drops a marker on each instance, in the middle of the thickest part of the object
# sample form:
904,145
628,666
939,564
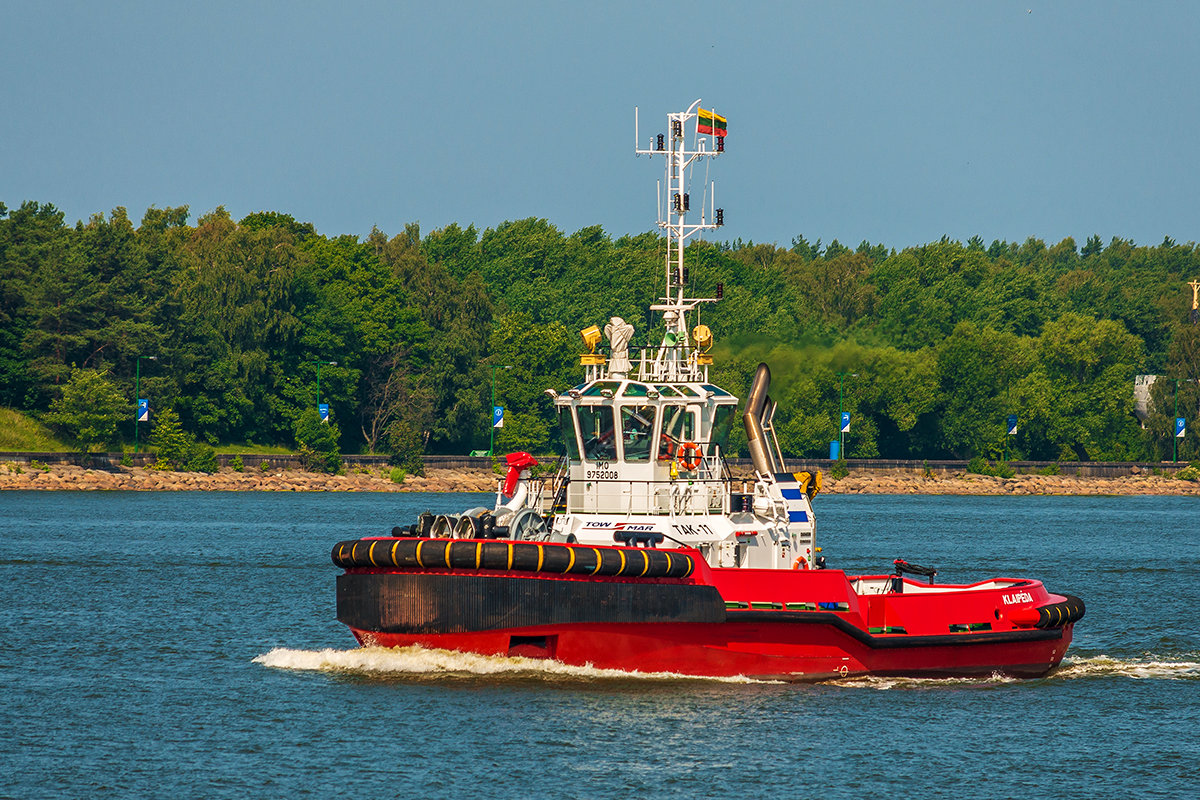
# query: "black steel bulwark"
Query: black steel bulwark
425,603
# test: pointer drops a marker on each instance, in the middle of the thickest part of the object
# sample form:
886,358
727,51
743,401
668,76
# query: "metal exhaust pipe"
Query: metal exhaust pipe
757,404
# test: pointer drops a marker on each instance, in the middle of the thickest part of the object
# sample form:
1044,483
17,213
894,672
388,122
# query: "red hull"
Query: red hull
693,619
800,652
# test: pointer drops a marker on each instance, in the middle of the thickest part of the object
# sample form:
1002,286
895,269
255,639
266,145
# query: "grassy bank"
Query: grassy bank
22,433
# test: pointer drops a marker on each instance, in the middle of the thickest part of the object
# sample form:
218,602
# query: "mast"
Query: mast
677,359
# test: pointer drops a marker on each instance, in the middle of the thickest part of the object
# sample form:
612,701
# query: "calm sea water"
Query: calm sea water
184,645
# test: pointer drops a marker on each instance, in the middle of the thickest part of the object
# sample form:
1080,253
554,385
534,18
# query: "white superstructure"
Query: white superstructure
646,430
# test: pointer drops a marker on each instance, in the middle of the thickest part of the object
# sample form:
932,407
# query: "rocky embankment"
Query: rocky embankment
967,483
13,476
57,477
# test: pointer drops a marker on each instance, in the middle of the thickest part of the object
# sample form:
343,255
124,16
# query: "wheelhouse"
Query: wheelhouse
630,440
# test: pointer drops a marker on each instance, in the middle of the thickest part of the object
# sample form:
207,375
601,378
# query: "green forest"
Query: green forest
227,326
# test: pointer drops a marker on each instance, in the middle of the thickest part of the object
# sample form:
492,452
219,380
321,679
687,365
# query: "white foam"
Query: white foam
1138,669
1072,668
422,662
875,682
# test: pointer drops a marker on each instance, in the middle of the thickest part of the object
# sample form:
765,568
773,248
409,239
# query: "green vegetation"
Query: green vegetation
929,347
21,433
177,449
981,466
318,442
88,410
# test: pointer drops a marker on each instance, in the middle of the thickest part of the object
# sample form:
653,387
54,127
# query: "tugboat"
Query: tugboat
643,552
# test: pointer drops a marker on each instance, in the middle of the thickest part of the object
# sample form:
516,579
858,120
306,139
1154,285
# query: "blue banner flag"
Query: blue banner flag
497,416
143,412
1012,424
323,410
1180,427
845,422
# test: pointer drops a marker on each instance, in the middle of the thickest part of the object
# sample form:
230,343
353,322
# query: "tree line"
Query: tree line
930,348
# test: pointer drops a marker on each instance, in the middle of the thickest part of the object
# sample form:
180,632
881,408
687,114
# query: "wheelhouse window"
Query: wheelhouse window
601,387
596,429
637,429
723,424
678,427
566,423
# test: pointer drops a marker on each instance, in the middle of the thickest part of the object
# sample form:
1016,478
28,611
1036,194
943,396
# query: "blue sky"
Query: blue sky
892,122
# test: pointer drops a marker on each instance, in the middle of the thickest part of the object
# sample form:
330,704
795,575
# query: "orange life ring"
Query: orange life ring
800,563
689,455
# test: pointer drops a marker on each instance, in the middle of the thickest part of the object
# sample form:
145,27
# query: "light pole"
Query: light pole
319,363
1174,422
492,430
137,396
841,394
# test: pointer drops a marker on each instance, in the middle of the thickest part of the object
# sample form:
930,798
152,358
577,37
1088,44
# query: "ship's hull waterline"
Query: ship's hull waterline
781,625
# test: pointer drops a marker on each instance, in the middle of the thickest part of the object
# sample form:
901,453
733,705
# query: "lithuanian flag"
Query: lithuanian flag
711,123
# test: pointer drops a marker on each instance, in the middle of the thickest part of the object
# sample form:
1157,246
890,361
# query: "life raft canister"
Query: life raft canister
689,455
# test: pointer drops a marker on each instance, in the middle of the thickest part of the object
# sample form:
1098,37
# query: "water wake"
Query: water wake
1072,668
419,662
1103,666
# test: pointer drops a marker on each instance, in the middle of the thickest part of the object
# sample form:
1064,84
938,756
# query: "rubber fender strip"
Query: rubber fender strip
410,553
1061,614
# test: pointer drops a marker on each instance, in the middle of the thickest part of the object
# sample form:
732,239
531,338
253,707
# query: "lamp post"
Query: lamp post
841,394
1174,438
492,430
137,395
319,363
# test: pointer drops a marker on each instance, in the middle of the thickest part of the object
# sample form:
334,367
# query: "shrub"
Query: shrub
981,466
35,464
236,464
838,469
264,465
398,475
1189,473
202,458
126,460
405,447
318,443
1050,469
89,409
172,444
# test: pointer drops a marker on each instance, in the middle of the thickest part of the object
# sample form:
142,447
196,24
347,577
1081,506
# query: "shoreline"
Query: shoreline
14,477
